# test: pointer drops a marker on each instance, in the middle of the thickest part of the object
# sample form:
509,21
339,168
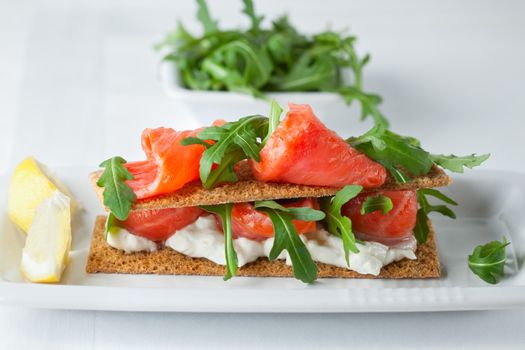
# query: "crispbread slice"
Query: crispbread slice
105,259
247,189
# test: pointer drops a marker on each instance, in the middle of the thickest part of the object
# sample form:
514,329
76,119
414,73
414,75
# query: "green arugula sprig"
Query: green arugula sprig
421,229
276,58
458,163
111,225
224,211
488,261
287,238
338,224
235,141
118,196
274,118
401,156
377,203
404,157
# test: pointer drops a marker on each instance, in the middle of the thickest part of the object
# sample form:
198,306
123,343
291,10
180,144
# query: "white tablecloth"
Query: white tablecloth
78,83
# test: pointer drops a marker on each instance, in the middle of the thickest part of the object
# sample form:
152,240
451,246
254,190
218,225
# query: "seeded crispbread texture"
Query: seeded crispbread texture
105,259
247,189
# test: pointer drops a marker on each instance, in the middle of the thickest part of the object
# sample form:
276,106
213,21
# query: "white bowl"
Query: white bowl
207,106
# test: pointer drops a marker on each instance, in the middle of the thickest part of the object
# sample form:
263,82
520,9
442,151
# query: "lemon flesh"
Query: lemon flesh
48,242
28,188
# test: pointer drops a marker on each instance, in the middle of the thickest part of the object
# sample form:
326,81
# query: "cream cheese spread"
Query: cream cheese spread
130,243
203,239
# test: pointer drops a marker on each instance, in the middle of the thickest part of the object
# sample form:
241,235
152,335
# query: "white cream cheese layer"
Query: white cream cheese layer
130,243
203,239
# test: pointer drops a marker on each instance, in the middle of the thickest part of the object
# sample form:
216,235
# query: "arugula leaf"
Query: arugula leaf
456,163
308,73
203,15
195,141
241,65
287,238
118,196
401,156
235,141
339,224
111,225
421,229
298,213
437,194
225,170
279,46
225,213
274,119
372,136
488,261
250,12
375,203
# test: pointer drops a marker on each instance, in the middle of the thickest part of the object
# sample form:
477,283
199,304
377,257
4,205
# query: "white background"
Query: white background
78,82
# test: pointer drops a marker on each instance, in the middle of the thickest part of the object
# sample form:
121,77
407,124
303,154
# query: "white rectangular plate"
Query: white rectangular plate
492,204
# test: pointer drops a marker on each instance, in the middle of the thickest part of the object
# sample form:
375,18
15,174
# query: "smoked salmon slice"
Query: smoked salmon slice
250,223
302,150
169,165
160,224
392,228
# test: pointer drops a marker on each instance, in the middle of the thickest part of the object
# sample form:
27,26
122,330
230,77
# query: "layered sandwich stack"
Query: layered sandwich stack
264,197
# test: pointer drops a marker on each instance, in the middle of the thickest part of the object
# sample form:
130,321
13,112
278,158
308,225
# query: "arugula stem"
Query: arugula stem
224,211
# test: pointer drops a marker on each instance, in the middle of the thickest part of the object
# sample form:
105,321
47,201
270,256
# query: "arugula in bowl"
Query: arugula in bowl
277,58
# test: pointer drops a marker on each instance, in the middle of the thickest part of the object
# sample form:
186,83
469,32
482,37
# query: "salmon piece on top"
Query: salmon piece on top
302,150
169,165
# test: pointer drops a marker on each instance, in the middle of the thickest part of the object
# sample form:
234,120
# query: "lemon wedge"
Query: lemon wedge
41,207
48,242
30,185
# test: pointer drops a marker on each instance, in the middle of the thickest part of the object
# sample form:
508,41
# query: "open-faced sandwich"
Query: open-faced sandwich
262,196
